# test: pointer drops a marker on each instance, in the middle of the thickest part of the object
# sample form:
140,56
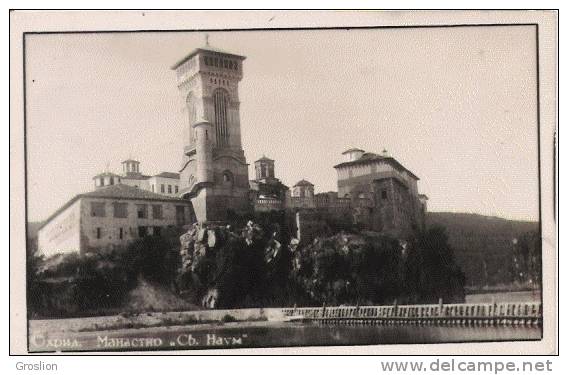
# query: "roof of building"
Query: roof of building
168,175
123,191
205,49
352,150
303,183
117,191
130,160
369,157
264,158
105,174
134,176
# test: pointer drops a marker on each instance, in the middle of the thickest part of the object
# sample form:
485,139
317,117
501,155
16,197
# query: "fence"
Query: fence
508,314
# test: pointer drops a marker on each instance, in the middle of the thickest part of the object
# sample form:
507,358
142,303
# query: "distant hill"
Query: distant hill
483,244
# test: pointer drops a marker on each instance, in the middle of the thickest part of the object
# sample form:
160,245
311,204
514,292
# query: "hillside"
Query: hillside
479,239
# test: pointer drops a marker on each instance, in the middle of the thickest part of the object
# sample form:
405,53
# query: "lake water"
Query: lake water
502,297
308,334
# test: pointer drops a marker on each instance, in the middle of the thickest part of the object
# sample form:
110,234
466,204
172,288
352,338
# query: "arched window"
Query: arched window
190,102
227,178
220,103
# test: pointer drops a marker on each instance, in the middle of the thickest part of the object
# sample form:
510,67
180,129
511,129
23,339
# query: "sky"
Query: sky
456,106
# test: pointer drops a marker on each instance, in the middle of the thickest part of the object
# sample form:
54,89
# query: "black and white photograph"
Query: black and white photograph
195,188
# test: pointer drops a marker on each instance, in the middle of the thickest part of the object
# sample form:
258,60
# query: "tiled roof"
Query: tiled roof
304,183
126,192
168,175
118,191
370,157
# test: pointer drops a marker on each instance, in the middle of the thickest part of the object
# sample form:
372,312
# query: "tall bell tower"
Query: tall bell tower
214,171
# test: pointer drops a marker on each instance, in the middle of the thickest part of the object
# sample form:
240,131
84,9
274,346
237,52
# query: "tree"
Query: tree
431,270
527,259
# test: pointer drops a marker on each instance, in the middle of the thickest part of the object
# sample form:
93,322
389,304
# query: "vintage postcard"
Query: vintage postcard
218,180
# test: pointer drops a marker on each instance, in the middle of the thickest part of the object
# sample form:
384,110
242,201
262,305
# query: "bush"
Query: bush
369,268
227,318
99,282
348,269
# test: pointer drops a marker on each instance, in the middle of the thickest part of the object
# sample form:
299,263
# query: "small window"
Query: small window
142,211
99,233
180,215
142,232
157,212
176,189
162,188
120,210
384,194
157,231
227,178
98,209
112,180
120,233
169,189
152,188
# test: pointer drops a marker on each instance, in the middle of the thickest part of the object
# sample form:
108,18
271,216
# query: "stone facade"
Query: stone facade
266,191
375,192
111,216
214,173
390,191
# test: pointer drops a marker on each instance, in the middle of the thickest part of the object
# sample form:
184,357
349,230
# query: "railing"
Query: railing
518,313
261,204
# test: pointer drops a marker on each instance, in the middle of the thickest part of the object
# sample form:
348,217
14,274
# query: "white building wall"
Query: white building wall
109,225
157,182
61,235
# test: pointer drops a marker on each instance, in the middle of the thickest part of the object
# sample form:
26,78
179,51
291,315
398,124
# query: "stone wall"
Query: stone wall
395,209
